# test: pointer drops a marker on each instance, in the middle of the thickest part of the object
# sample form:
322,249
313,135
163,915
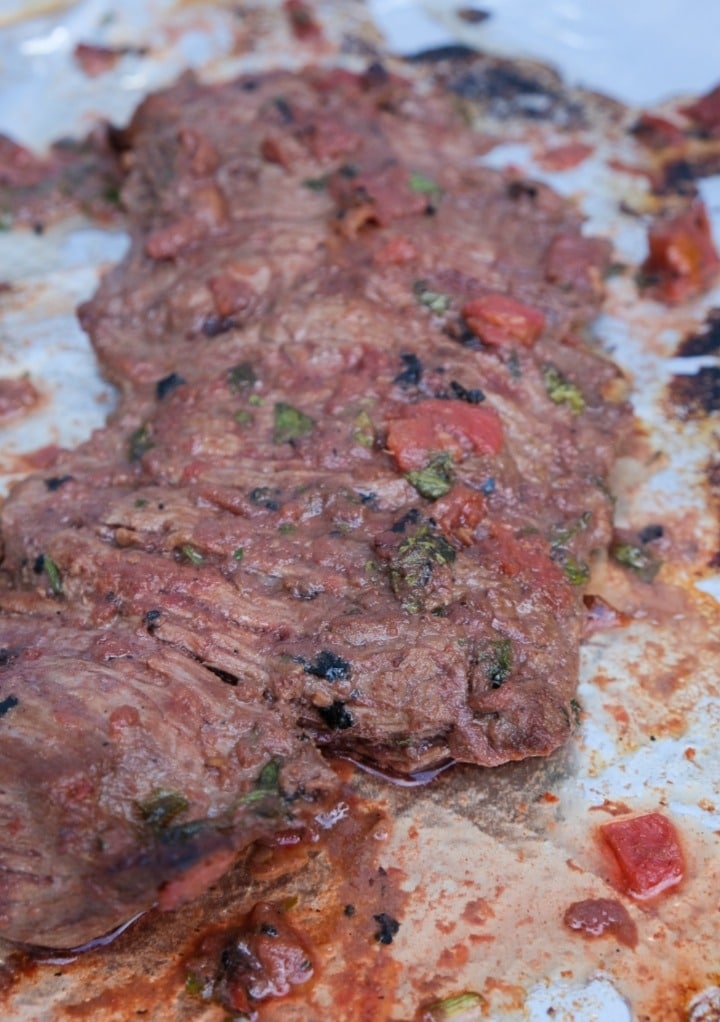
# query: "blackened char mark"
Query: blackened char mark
696,396
705,342
8,704
336,716
328,665
434,54
388,928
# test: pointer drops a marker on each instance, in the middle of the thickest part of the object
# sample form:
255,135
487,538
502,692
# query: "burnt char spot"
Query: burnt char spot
509,91
473,396
411,517
678,178
55,482
388,928
167,385
336,715
453,51
7,704
706,342
412,373
39,564
6,656
697,395
213,326
651,533
329,666
473,15
263,496
226,676
522,190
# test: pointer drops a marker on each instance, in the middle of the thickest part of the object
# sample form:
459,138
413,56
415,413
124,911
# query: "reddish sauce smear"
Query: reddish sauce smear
597,917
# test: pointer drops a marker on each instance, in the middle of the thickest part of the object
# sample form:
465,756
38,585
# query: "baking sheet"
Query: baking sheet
518,840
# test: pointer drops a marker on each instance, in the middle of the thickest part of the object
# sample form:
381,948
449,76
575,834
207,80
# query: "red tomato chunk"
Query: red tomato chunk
498,319
682,260
647,851
439,425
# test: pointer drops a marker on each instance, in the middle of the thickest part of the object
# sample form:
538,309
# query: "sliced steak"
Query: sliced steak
351,492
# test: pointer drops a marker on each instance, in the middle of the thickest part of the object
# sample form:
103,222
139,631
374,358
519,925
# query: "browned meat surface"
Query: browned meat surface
348,500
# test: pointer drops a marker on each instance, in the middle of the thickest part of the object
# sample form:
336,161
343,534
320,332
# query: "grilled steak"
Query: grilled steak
347,502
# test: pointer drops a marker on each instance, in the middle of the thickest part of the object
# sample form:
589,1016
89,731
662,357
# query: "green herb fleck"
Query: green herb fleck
240,376
576,709
435,480
497,661
141,502
238,554
413,563
193,555
194,985
562,534
267,783
112,195
286,528
436,301
140,442
160,809
53,573
290,423
420,183
243,417
452,1007
255,400
576,572
561,391
316,184
363,430
638,560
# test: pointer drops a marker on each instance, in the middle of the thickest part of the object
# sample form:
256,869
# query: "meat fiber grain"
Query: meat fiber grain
348,500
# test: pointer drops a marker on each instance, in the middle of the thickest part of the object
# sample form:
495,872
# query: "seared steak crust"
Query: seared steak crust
357,473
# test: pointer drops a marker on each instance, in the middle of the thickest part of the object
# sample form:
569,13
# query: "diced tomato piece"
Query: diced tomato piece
564,157
657,132
647,851
396,252
683,259
439,425
499,319
459,511
706,111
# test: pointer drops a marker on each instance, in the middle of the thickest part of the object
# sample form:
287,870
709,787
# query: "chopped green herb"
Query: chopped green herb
420,183
53,573
255,400
286,528
193,555
614,270
240,376
238,554
140,442
563,534
435,480
576,572
452,1007
243,417
413,563
497,661
194,985
290,423
141,502
363,430
112,195
637,559
576,711
267,783
316,184
561,391
436,301
160,809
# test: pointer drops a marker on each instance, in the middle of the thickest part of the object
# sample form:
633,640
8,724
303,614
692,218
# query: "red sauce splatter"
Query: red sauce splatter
597,917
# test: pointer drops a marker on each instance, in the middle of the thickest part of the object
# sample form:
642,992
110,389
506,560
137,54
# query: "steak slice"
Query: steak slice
351,492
